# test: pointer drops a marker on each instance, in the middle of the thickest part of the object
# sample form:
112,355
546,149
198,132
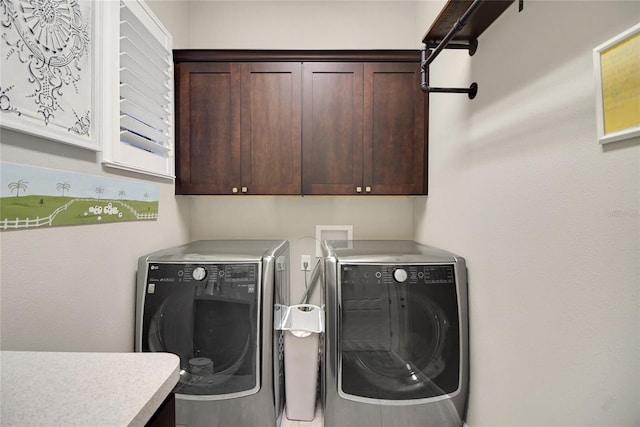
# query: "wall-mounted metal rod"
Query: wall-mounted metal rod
456,27
472,90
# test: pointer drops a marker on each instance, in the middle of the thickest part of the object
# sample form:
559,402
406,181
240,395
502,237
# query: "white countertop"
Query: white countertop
84,389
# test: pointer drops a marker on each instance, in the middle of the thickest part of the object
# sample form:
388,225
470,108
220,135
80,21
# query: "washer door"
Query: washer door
214,334
398,340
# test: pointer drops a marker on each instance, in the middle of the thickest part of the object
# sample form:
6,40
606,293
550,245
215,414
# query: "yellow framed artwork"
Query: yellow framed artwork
617,66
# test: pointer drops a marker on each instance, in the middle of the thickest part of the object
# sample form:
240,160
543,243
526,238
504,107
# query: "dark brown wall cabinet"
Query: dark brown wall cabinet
363,129
238,128
324,123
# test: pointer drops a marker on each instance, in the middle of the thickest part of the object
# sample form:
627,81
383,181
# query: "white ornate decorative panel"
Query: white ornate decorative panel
49,69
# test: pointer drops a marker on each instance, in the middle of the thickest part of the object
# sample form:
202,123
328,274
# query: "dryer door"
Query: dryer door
207,314
398,332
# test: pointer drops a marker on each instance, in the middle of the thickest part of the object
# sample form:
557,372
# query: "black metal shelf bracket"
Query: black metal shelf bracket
432,49
471,46
471,91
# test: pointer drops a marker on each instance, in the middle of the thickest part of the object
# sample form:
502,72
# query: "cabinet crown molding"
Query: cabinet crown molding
246,55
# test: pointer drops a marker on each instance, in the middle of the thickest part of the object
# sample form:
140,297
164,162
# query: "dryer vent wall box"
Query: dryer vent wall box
396,340
214,304
332,232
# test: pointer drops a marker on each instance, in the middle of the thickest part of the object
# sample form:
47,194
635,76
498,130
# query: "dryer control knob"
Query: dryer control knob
199,273
400,275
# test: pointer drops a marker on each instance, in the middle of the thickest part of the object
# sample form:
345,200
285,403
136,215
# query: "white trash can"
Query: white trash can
302,324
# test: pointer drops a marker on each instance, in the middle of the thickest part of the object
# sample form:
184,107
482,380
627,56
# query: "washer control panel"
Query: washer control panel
233,280
430,274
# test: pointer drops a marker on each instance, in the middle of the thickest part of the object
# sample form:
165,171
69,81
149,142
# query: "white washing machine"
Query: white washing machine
213,303
396,343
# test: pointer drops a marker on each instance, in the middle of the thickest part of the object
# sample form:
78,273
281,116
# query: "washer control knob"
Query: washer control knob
199,273
400,274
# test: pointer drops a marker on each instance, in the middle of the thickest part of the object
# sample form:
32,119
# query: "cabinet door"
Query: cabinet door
208,128
394,129
332,109
271,128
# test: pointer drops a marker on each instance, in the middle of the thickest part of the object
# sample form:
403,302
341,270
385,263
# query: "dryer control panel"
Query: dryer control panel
429,274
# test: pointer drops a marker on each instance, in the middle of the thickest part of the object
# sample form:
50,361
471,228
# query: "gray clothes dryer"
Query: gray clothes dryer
396,343
213,303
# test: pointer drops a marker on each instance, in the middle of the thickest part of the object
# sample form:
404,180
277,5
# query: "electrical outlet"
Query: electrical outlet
305,263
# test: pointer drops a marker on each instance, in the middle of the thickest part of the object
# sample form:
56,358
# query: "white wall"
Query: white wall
303,25
174,15
72,288
547,219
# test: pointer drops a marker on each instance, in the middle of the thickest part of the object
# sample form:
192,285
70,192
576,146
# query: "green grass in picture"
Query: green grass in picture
30,206
143,207
79,213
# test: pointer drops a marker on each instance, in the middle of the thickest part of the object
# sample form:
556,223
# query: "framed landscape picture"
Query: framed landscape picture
35,197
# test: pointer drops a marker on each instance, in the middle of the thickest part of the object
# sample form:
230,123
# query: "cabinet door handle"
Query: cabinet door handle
234,190
367,189
358,189
245,189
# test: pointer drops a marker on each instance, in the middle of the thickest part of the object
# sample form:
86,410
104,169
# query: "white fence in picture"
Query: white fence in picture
25,223
48,220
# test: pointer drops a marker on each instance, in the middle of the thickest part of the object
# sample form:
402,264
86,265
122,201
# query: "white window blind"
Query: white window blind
145,141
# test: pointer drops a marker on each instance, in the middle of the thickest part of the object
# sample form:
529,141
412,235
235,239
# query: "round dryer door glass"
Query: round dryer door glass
399,332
